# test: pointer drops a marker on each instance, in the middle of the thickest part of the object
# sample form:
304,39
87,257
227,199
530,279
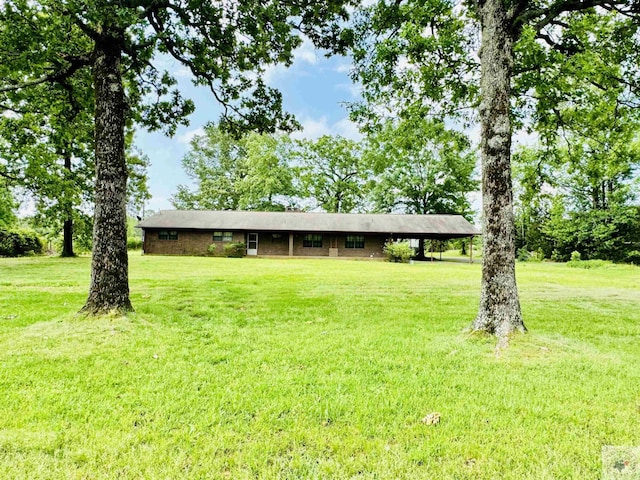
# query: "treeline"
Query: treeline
417,166
577,189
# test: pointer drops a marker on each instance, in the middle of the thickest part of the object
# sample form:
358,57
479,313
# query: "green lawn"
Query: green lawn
263,368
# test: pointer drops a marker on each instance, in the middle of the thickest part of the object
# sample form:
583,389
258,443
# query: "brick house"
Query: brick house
293,234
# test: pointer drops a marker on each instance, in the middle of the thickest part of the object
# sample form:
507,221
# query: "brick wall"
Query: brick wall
276,243
188,243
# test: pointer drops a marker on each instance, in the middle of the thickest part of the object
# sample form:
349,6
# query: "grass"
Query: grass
263,368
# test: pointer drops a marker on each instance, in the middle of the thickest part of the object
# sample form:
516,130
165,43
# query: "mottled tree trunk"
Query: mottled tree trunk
109,289
499,311
67,228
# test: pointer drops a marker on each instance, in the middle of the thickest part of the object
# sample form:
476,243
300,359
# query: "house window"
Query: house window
222,236
167,235
312,240
354,241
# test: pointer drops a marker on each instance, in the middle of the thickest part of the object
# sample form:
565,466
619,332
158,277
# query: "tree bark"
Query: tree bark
109,289
67,229
499,311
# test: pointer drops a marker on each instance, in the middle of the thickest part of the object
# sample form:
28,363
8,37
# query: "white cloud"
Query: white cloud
313,128
186,137
306,52
343,68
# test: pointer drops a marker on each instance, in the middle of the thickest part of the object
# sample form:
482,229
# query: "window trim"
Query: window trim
167,235
354,241
312,240
223,237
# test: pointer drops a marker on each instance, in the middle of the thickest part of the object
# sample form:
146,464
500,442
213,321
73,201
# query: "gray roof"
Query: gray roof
437,225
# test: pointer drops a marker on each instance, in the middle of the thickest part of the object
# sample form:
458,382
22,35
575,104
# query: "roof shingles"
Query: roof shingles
440,225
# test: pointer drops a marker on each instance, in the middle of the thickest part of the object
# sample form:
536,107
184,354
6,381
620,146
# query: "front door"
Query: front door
252,244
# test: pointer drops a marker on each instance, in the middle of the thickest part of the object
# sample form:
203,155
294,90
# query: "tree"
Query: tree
7,205
421,168
225,45
333,173
577,185
248,173
417,58
46,148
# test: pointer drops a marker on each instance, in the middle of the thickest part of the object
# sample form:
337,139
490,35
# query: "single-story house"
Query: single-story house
293,234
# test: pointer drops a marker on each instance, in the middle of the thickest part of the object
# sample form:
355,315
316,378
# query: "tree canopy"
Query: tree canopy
333,173
421,58
226,46
421,167
247,173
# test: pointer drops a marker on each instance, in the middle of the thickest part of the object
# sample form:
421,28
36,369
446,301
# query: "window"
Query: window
313,241
354,241
222,236
167,235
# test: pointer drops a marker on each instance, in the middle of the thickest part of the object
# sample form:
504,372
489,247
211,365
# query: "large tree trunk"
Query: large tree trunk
67,229
109,289
499,312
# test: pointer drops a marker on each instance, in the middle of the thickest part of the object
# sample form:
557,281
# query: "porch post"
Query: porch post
471,249
290,244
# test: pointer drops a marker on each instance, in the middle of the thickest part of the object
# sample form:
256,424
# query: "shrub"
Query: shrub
15,243
587,264
212,249
134,243
235,250
575,256
523,254
399,251
633,257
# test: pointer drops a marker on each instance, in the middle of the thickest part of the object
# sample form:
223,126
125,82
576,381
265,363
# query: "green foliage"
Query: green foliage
633,257
250,173
399,252
421,167
235,249
523,255
587,264
212,249
333,173
134,243
7,206
15,243
576,256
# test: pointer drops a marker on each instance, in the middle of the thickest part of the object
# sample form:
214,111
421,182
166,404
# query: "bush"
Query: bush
575,256
15,243
587,264
134,243
633,257
557,256
400,252
523,254
235,250
212,249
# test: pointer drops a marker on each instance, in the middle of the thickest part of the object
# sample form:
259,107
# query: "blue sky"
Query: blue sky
313,89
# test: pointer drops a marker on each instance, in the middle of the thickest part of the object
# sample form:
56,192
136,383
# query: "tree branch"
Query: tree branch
75,64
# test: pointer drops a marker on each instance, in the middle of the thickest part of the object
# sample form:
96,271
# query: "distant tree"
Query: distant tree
249,173
226,46
7,205
47,148
419,58
576,187
421,167
333,173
